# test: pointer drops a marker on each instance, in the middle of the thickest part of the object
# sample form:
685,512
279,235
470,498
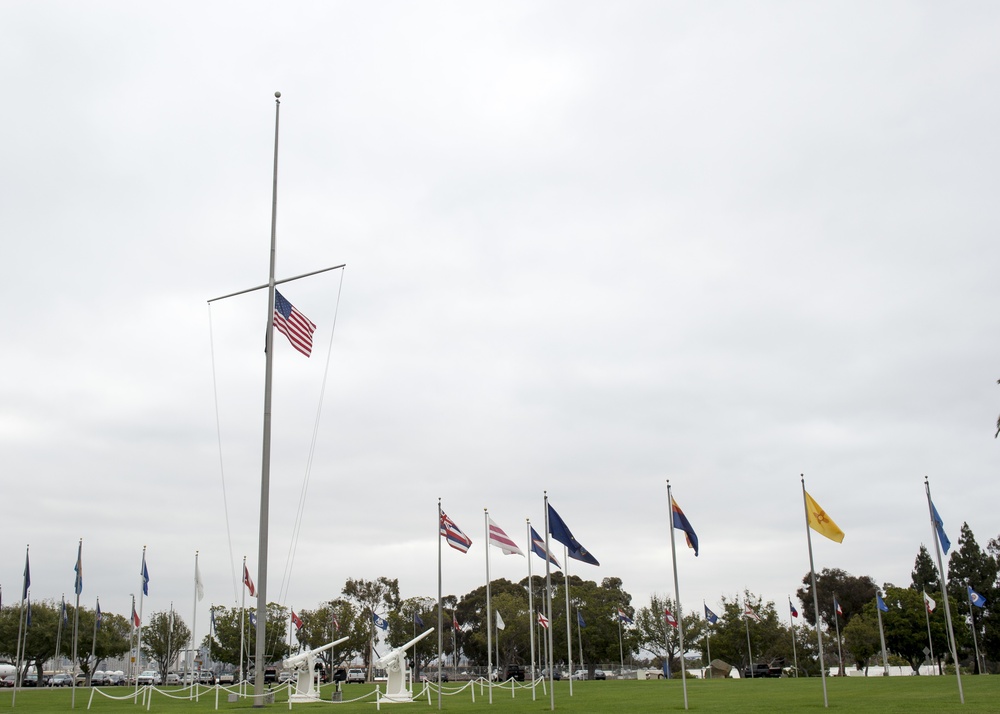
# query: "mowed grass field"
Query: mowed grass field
852,694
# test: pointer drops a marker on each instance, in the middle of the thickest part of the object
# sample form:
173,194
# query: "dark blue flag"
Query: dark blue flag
99,617
416,620
711,616
682,523
559,531
27,576
145,575
976,599
379,622
538,548
881,603
579,619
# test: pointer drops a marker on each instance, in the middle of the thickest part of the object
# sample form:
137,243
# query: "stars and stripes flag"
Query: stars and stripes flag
543,621
248,582
454,535
501,540
293,324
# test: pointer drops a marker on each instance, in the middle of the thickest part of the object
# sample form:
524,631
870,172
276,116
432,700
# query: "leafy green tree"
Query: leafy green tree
970,566
861,639
415,616
330,622
925,573
471,613
662,639
113,639
370,596
770,638
163,639
225,643
852,593
39,639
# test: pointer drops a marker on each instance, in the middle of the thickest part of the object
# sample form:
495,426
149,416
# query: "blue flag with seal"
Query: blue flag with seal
881,603
975,598
416,620
379,622
710,616
559,531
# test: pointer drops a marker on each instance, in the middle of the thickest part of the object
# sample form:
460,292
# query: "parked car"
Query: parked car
356,675
284,676
599,674
227,679
60,680
761,669
515,672
206,678
173,678
117,679
579,674
149,677
556,674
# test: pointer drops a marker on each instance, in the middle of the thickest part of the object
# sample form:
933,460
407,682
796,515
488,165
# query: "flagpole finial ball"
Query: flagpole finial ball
277,95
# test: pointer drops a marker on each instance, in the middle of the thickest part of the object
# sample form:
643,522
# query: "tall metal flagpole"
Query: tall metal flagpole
243,629
677,591
927,616
812,579
97,622
531,605
440,610
548,604
795,655
944,590
836,622
199,593
708,637
265,470
20,626
78,587
138,642
881,634
972,626
489,629
569,627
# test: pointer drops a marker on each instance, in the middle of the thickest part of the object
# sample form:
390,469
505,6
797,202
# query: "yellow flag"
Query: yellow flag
822,523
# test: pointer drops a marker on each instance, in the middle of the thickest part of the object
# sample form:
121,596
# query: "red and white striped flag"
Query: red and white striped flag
293,324
503,541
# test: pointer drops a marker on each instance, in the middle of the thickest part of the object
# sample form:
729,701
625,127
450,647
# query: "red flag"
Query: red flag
296,620
135,617
248,582
671,620
454,623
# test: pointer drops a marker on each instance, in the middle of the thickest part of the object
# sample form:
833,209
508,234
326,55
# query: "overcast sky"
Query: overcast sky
590,247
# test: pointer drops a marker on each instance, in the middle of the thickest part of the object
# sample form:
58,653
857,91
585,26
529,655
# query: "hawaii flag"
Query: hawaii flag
454,535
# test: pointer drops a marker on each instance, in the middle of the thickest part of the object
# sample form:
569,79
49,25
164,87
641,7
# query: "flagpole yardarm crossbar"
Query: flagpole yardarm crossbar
279,282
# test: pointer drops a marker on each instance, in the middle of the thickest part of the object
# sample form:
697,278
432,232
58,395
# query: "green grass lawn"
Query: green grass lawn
852,694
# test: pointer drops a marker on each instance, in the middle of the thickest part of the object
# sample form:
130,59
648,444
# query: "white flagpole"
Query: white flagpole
243,614
927,617
78,587
489,628
677,591
440,609
746,622
972,626
795,656
59,628
170,637
93,649
944,591
621,650
21,627
569,626
812,578
531,605
881,634
708,637
548,614
265,471
579,635
142,591
836,622
194,619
